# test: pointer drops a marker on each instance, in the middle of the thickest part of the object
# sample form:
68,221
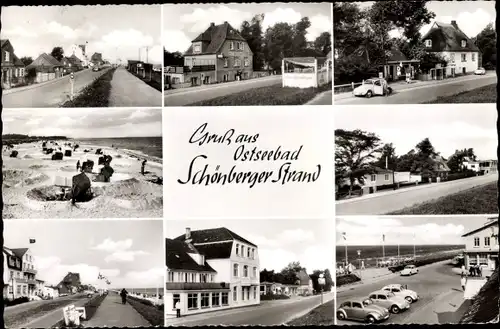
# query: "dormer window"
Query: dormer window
237,249
464,43
7,56
242,47
197,48
428,43
231,45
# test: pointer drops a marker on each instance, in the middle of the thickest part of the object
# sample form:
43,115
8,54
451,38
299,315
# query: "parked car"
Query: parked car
362,310
480,71
409,270
95,68
372,87
390,301
403,291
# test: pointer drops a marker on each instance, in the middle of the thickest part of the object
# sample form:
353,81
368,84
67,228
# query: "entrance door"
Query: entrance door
463,70
194,81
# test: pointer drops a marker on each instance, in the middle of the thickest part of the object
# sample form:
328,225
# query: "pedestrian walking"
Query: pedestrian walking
463,269
178,308
143,166
124,294
463,281
78,165
479,271
471,271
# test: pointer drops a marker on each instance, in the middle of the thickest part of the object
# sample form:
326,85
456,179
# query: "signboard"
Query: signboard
398,70
321,279
139,65
71,76
381,75
359,252
81,312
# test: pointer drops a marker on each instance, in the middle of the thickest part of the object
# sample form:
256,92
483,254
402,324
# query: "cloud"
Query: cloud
200,18
175,40
311,257
287,237
281,15
124,256
112,246
119,250
319,24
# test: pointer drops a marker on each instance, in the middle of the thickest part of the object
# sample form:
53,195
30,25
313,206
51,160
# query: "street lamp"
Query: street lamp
321,282
359,262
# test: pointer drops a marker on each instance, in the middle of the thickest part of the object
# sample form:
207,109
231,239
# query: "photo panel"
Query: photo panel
416,160
249,272
91,273
417,269
244,54
81,56
82,163
254,163
406,52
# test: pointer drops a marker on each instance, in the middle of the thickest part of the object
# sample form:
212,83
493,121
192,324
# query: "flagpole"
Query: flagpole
414,255
383,247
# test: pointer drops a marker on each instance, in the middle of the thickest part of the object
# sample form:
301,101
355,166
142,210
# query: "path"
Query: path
112,313
129,91
325,98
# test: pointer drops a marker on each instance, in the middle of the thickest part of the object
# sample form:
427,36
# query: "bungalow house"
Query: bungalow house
219,54
46,67
440,169
267,288
305,284
69,284
13,68
488,166
397,65
134,66
96,59
460,52
71,64
469,164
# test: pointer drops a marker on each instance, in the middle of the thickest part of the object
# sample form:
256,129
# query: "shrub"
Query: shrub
347,279
153,314
16,301
273,297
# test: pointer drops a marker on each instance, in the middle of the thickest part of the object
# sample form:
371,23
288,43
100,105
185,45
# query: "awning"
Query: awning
304,61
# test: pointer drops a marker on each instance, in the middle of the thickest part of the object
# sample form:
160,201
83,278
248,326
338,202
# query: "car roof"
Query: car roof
382,292
393,285
355,299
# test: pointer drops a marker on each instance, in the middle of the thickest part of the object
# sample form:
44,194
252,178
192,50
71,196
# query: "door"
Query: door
357,311
463,70
377,88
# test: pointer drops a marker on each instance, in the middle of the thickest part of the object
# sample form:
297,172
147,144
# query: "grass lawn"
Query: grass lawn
151,313
321,315
486,94
96,94
484,307
270,95
478,200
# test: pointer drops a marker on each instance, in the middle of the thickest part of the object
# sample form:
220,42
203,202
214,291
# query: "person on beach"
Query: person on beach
124,294
178,308
143,166
463,281
78,165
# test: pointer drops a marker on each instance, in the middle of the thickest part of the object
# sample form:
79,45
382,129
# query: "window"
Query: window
254,292
253,253
205,299
238,45
192,301
235,270
373,178
386,176
237,62
237,249
194,61
235,294
245,271
242,46
464,43
197,49
248,293
486,241
11,289
25,290
203,278
231,46
242,293
248,252
476,242
254,272
215,299
185,277
175,298
452,57
464,58
225,298
242,251
483,260
11,275
382,297
18,289
428,43
226,65
356,305
7,56
247,62
473,57
193,277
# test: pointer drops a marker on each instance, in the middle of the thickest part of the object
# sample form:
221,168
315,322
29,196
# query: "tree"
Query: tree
172,59
486,41
26,60
423,161
299,37
354,151
328,280
57,53
323,43
456,160
252,32
278,42
266,276
387,152
290,272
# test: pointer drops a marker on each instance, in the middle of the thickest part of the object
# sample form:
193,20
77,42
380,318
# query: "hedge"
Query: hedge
273,297
347,279
153,314
16,301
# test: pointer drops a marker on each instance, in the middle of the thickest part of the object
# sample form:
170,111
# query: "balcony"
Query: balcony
199,68
31,282
197,286
30,271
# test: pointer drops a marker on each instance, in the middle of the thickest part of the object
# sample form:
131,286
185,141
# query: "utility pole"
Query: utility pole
147,54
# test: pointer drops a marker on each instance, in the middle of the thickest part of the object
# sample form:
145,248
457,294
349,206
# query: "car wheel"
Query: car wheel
409,299
395,309
370,319
340,316
369,94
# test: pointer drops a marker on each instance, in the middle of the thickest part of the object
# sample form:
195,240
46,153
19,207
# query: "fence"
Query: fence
339,89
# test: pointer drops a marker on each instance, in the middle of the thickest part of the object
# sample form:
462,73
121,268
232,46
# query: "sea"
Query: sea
147,291
375,251
151,146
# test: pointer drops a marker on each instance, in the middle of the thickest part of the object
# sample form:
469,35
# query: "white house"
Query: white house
209,270
454,45
472,165
481,245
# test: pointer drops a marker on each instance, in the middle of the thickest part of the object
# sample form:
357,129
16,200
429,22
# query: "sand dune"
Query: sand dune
33,182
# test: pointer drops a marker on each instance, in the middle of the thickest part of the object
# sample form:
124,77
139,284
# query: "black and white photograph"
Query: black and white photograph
417,270
416,160
414,52
247,54
249,272
96,274
83,163
81,56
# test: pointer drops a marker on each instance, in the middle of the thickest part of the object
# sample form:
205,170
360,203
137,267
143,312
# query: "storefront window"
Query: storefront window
192,301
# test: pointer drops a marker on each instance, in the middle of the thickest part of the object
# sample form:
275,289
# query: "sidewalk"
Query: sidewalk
51,318
129,91
324,98
112,313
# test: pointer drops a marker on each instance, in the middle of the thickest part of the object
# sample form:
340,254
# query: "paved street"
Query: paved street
48,94
441,297
421,92
112,313
186,96
129,91
381,203
324,98
267,313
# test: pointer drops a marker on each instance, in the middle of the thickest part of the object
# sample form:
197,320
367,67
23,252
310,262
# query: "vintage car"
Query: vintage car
372,87
409,270
362,309
389,300
402,291
480,71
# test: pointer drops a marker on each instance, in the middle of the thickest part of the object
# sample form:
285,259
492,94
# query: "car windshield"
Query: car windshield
401,288
367,302
368,82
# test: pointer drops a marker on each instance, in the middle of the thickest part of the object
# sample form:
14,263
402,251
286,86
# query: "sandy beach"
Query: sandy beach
32,176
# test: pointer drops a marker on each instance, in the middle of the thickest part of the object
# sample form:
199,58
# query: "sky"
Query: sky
471,16
448,126
83,122
428,230
129,253
114,31
184,22
279,241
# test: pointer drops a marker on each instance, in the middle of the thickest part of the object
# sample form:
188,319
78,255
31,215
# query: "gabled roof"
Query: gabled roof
213,38
493,222
220,250
178,257
440,164
4,41
448,37
303,277
19,252
378,170
214,235
45,60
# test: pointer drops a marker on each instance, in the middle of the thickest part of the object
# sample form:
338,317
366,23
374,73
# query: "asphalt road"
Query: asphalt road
435,283
267,313
49,94
424,93
385,202
202,93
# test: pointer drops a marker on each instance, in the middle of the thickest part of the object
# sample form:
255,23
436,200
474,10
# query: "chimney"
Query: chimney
454,23
386,162
225,22
212,24
188,233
